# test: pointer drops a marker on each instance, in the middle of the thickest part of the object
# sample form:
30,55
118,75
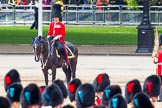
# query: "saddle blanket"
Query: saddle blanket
70,53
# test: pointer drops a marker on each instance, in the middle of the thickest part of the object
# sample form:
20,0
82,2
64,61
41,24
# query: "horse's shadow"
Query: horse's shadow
50,60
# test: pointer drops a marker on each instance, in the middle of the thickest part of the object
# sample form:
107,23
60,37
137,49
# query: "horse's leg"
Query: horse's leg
73,69
53,73
67,72
45,72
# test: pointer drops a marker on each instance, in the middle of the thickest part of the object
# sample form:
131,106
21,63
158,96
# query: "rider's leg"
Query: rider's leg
62,50
66,55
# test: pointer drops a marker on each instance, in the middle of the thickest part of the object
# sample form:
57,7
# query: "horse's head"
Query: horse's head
38,43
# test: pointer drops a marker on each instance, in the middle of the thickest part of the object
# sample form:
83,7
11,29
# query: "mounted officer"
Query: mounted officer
56,32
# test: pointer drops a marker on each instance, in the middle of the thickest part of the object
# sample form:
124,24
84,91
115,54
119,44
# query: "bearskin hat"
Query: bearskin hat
101,82
56,11
85,95
11,77
68,106
72,87
30,96
141,100
152,85
4,102
14,92
117,101
109,92
62,86
52,96
131,88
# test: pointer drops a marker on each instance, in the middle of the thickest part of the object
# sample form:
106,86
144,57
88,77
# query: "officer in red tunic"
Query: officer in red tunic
56,32
157,53
157,57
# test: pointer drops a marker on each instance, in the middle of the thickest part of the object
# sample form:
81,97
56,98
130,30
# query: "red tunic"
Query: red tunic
98,101
159,66
57,29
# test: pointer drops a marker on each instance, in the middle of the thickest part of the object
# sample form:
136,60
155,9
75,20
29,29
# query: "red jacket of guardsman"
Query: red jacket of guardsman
159,66
57,29
98,101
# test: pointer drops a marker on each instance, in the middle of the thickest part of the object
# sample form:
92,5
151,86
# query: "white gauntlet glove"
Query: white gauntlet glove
57,37
155,60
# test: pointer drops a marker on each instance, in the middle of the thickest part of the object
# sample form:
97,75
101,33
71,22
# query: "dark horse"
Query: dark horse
49,59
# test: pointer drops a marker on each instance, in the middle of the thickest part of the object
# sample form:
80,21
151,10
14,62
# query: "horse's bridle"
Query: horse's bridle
34,51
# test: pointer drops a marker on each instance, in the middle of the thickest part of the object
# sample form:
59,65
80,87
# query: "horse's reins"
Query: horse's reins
49,53
36,57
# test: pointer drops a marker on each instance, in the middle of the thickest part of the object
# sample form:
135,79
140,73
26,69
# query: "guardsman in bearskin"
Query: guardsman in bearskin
131,88
11,77
157,53
117,101
52,97
4,102
72,87
85,96
109,92
62,87
13,94
157,56
141,100
100,83
152,86
56,32
31,97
